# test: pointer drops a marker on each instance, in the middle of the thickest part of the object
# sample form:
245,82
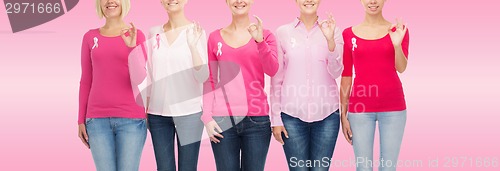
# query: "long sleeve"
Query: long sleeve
138,70
85,80
276,85
334,59
268,53
209,85
406,43
347,55
201,75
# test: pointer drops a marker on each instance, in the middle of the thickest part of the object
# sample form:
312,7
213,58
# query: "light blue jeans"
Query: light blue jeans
391,129
116,143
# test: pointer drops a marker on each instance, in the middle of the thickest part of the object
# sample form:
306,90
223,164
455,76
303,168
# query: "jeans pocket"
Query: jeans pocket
219,119
88,121
259,120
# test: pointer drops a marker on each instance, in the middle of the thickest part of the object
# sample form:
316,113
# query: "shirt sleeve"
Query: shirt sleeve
276,84
85,80
201,75
334,59
347,55
209,85
406,43
268,53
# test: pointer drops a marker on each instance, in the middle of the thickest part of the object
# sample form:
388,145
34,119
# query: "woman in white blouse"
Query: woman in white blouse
177,66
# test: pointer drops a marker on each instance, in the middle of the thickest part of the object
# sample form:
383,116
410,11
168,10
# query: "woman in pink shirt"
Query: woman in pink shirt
235,108
378,50
304,94
111,123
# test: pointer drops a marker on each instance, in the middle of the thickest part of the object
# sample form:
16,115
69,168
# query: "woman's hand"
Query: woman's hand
397,32
328,28
193,35
213,131
277,130
256,30
346,129
82,133
131,39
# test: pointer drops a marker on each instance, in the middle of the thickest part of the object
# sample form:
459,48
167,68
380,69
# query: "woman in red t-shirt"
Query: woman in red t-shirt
377,49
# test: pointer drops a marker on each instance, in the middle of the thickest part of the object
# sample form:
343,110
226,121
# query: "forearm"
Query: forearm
197,61
345,92
401,60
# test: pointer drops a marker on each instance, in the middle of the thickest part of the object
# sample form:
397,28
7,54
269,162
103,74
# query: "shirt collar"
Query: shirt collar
297,22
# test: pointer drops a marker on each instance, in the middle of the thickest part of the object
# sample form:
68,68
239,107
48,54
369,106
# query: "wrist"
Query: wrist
259,40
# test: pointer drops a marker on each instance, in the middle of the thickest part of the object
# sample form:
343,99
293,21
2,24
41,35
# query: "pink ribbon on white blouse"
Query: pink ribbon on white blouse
157,41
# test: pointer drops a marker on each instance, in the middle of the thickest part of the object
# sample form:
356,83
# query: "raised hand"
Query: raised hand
328,27
256,30
131,39
193,35
397,32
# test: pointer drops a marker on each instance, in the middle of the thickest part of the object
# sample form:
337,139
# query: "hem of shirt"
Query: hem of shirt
175,115
392,109
312,120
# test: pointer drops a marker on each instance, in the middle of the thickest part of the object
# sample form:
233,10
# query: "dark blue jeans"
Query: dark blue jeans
310,145
163,130
250,136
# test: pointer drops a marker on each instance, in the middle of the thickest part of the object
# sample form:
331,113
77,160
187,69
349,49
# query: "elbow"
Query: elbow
401,69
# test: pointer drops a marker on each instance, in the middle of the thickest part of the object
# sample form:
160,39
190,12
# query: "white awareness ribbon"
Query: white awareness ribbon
354,45
95,43
293,41
219,47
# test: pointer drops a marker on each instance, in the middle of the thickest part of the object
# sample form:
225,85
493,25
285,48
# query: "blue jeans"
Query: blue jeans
116,143
391,129
311,143
188,130
250,136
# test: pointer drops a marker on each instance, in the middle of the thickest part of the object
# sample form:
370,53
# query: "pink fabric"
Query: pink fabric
236,83
305,86
376,86
105,85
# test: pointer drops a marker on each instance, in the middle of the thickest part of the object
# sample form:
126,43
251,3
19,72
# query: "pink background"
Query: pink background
451,83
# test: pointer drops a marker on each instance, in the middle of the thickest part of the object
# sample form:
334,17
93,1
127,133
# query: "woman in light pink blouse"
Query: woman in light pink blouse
304,94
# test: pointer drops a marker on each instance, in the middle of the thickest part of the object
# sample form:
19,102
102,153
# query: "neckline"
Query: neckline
368,39
224,41
183,31
101,35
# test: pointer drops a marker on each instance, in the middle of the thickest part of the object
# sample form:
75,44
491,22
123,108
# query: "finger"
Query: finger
286,133
85,136
392,28
278,138
259,20
219,130
322,23
252,27
350,135
218,135
84,141
133,27
215,140
346,136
